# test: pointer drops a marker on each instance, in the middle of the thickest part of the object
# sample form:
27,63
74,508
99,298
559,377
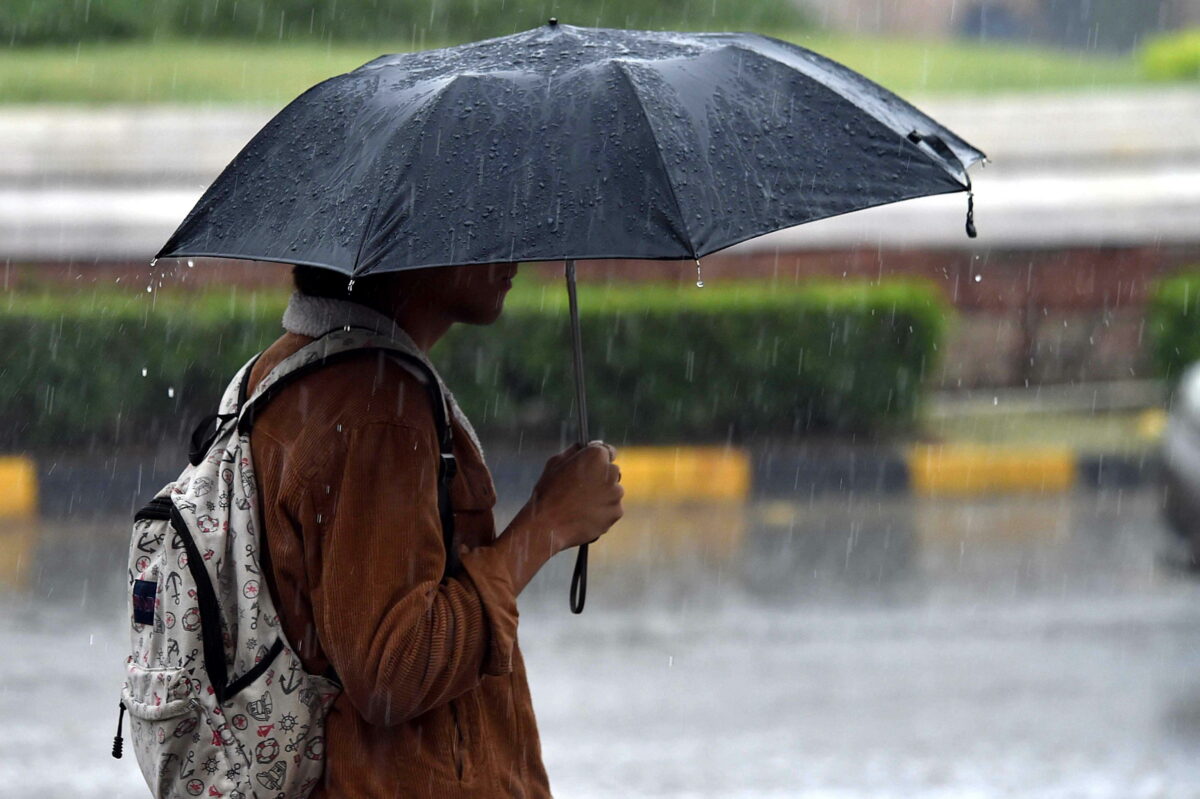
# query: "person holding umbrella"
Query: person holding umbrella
435,700
406,191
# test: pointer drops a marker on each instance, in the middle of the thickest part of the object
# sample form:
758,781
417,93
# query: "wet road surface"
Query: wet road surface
867,647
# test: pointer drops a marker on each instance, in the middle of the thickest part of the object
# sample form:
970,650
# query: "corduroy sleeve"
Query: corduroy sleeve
402,641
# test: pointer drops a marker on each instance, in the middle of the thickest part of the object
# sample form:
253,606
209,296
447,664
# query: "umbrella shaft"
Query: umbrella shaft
579,577
577,350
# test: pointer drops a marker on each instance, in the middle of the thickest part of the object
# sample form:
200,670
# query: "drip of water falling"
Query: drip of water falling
171,392
145,371
190,263
699,279
978,278
153,262
350,288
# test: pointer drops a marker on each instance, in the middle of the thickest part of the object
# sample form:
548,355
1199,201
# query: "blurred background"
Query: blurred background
909,514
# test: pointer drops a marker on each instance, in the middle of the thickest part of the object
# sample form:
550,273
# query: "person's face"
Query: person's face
470,294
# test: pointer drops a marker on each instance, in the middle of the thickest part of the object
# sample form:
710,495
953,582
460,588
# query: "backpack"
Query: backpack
219,703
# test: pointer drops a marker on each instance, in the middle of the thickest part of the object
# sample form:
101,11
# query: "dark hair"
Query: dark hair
316,281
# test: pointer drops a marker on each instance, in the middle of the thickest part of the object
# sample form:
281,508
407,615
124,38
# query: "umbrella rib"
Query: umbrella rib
825,72
430,108
637,101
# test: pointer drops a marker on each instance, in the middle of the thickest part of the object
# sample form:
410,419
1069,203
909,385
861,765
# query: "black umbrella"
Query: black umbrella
564,143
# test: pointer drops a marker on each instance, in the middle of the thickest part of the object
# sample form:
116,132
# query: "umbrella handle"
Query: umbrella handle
579,577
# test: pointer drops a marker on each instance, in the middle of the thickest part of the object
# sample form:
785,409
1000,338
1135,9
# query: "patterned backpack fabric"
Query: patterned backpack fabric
219,703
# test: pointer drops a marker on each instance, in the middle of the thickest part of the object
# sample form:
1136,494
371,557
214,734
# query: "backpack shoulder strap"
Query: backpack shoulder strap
339,345
210,427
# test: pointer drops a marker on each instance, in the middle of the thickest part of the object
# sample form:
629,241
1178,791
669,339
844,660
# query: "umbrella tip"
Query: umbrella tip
552,22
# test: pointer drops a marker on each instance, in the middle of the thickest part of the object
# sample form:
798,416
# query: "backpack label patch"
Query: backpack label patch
144,592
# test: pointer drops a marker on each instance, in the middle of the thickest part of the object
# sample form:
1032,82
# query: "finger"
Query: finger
609,448
612,497
614,473
596,458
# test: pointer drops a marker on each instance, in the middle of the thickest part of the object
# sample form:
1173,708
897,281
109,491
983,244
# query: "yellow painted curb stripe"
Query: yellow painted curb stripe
958,470
674,474
18,488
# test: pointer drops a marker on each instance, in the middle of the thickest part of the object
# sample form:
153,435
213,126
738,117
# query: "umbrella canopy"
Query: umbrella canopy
568,143
565,143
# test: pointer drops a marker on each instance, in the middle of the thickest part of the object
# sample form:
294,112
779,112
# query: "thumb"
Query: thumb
555,461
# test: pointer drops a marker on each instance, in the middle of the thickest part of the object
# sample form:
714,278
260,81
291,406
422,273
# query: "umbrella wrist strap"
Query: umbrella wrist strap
579,580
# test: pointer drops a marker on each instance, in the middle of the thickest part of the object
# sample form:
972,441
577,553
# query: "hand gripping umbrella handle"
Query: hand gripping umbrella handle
579,578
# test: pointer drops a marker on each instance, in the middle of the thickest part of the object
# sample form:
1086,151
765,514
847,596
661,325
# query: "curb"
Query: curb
18,487
973,471
685,505
949,471
661,475
18,512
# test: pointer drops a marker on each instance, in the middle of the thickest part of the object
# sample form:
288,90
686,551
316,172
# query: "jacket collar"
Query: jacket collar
316,316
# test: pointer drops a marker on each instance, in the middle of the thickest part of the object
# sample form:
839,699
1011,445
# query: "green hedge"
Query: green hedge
71,21
728,363
1173,323
1174,56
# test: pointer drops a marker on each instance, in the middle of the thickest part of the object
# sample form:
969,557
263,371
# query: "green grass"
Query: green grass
946,67
240,72
167,72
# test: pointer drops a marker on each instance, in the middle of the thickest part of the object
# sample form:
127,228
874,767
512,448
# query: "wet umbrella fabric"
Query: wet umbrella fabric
565,143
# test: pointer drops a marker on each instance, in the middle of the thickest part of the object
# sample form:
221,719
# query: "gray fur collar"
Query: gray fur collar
315,316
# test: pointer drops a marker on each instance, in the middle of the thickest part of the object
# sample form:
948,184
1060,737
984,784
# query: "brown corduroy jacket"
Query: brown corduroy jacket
435,700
